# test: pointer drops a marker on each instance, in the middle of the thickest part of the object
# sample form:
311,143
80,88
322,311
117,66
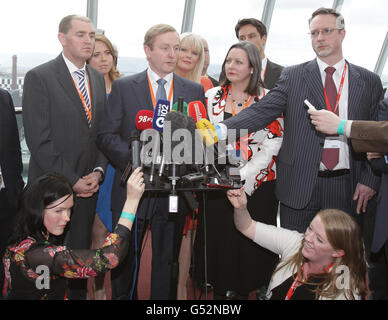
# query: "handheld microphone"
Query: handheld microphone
162,108
207,131
144,119
196,110
135,156
185,107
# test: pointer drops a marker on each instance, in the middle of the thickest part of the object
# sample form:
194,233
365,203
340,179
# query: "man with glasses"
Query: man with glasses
315,171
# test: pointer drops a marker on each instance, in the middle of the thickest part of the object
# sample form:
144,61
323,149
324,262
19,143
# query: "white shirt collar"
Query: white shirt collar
339,66
155,77
71,66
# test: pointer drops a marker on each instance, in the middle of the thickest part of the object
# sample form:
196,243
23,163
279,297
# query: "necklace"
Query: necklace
238,103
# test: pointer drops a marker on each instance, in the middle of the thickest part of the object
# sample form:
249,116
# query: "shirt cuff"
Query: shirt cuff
222,133
348,128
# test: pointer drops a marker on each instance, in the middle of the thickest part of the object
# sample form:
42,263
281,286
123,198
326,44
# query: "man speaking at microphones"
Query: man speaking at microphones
129,95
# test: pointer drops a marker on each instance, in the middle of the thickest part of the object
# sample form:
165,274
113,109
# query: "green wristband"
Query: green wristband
341,127
128,215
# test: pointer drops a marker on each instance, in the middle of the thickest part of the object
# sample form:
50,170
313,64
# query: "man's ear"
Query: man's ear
147,51
62,38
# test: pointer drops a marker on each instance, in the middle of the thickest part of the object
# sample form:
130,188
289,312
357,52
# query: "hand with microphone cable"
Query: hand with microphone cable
143,122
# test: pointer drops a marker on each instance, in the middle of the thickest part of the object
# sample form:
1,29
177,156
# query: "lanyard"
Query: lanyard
294,285
339,92
88,111
245,104
152,91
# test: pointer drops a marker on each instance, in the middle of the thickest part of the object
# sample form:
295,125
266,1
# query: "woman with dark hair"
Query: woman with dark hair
36,245
235,265
327,262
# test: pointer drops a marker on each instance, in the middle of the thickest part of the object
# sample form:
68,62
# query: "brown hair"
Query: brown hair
260,27
340,21
113,73
344,234
155,31
65,24
254,61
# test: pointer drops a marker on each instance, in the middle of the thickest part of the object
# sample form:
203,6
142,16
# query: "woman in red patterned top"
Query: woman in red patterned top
36,263
236,266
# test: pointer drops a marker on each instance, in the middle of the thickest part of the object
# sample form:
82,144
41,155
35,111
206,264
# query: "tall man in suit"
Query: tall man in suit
255,31
63,101
307,181
130,95
11,167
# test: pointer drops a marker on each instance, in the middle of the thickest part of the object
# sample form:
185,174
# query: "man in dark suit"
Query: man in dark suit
11,167
63,101
306,182
255,31
130,95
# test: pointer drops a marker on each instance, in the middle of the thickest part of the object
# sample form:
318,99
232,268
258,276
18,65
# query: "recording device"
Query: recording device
207,131
308,105
196,110
144,119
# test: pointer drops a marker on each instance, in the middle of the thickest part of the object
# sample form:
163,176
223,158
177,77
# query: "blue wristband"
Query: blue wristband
341,127
218,130
128,215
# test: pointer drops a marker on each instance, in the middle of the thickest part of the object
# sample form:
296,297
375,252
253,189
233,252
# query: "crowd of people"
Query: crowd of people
325,169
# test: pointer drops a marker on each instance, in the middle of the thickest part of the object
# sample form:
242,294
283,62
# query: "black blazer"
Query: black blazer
10,154
272,74
55,123
301,152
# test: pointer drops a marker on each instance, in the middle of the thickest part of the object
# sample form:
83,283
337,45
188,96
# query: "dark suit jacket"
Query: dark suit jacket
301,151
272,74
130,95
10,155
380,235
55,123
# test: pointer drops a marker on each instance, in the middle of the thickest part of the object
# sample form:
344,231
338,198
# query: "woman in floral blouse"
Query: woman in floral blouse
236,266
36,263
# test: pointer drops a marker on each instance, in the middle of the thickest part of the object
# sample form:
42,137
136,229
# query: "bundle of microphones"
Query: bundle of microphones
177,148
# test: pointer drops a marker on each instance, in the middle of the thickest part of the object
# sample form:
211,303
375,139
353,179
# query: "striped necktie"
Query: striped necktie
84,91
161,92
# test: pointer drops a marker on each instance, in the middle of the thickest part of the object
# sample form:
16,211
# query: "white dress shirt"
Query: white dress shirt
338,141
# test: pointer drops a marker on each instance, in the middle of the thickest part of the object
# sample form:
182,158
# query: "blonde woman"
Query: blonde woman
326,262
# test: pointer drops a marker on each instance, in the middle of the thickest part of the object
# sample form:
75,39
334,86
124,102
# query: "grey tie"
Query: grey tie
161,92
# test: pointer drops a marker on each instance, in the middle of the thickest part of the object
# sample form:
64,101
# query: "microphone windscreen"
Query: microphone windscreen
162,108
207,131
196,110
144,119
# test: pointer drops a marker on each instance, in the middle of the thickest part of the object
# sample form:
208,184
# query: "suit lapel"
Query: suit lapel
67,83
356,87
142,91
179,86
314,82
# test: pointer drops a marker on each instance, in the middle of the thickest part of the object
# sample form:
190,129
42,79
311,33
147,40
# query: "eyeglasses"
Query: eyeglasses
324,32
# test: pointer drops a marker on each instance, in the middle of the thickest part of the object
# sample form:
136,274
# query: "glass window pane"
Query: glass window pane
125,24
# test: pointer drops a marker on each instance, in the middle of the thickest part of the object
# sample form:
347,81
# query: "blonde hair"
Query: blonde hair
193,41
344,234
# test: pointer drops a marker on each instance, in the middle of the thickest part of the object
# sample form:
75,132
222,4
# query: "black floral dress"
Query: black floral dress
38,271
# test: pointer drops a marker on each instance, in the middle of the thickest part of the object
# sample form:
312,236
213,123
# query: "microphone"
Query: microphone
207,131
162,108
196,110
144,120
135,156
175,107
